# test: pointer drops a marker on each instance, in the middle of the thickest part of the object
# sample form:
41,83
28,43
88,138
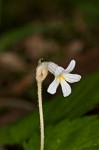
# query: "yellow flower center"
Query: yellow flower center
60,77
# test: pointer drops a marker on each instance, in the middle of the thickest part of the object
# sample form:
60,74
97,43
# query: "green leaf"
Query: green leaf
81,134
18,131
91,148
60,115
84,97
78,134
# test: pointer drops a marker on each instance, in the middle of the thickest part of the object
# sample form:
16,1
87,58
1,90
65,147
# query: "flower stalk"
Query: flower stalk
39,84
41,73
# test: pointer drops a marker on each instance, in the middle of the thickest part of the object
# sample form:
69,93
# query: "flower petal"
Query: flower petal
71,78
65,88
71,66
59,70
53,86
52,67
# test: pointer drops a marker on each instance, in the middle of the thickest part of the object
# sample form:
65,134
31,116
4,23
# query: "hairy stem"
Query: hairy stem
41,113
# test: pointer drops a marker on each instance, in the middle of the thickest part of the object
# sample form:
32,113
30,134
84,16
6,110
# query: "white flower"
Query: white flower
62,76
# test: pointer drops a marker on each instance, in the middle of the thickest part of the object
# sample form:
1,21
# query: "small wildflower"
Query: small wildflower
62,76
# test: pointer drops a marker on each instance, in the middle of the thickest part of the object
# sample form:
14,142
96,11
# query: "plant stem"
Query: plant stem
41,114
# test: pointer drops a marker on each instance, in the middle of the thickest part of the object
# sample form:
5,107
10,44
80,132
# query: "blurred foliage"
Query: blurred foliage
19,12
20,19
9,38
65,124
90,10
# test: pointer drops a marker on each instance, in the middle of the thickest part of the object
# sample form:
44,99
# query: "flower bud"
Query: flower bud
41,71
